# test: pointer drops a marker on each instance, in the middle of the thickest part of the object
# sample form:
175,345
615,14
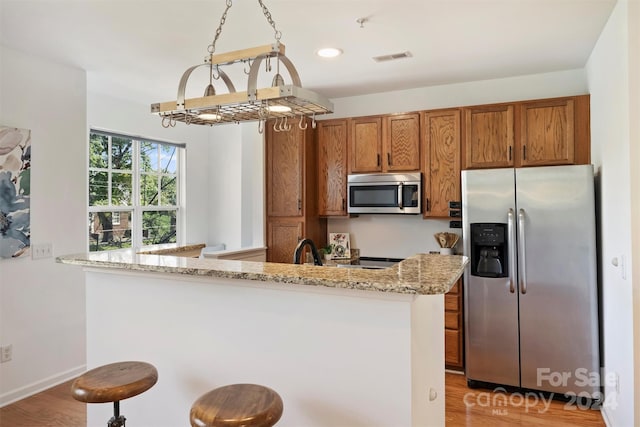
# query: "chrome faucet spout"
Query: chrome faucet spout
314,251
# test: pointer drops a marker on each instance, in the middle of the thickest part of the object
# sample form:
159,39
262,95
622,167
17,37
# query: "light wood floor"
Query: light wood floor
481,408
52,408
55,407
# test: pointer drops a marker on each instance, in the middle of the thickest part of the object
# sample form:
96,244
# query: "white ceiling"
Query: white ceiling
139,48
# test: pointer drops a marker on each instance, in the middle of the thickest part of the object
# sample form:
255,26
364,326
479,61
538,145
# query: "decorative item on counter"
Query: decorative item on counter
341,245
446,241
326,251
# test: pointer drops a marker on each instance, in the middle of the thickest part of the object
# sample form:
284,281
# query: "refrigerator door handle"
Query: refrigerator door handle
512,251
523,256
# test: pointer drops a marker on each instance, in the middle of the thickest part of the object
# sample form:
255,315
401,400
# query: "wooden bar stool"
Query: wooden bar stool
113,383
237,405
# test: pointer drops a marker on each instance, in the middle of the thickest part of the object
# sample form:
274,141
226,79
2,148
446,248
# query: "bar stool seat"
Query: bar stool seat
113,383
235,405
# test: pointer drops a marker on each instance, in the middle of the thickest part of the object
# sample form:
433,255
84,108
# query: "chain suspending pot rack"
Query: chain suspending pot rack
288,104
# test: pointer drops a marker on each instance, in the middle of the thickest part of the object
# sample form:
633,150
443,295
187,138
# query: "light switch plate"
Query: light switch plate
41,250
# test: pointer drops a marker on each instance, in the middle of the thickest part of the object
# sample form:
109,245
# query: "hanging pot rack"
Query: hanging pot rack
280,101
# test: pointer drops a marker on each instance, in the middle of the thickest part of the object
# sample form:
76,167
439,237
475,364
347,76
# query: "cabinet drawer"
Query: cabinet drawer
452,348
451,320
451,302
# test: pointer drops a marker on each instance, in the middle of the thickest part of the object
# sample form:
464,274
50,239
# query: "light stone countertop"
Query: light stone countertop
423,274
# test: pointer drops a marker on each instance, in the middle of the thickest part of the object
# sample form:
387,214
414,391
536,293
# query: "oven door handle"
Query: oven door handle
400,191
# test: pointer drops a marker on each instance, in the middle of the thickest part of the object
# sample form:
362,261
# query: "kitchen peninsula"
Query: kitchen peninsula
342,346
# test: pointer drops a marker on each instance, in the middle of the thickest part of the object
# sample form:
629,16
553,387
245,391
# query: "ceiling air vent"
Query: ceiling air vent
392,56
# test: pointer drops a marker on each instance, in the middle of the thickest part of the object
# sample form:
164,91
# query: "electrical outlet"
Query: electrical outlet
41,250
6,353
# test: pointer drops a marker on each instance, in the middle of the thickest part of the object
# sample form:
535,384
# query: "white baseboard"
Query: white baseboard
38,386
605,417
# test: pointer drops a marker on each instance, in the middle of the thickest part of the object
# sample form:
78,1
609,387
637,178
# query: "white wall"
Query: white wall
134,118
547,85
42,303
634,156
401,236
253,187
225,201
608,78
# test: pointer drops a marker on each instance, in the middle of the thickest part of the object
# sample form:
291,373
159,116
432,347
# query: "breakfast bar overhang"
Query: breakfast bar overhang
343,347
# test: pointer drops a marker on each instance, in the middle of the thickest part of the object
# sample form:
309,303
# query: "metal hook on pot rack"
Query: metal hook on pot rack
168,121
217,68
300,123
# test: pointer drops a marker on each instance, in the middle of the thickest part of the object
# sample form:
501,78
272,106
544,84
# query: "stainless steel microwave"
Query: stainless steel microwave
384,193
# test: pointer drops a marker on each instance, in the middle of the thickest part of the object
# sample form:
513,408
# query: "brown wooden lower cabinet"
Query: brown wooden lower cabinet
283,237
453,328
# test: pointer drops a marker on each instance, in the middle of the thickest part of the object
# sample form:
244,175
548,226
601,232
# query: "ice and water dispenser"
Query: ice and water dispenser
489,250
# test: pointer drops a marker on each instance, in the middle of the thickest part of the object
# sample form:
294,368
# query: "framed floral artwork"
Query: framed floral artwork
15,192
340,245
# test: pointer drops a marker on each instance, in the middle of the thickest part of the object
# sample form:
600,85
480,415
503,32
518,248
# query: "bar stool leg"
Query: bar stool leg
117,420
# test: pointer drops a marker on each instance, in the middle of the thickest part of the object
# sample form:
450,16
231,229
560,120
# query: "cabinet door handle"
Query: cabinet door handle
388,159
299,204
378,159
524,152
510,148
344,204
427,206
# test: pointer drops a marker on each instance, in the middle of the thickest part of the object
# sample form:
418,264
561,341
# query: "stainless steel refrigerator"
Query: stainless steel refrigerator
530,290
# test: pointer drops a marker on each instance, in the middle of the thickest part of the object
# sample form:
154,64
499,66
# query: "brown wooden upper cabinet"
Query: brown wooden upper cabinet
365,153
402,143
441,169
284,156
385,143
489,136
546,134
530,133
332,167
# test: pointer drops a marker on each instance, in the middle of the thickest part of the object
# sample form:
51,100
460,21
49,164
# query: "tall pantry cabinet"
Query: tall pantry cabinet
291,183
332,137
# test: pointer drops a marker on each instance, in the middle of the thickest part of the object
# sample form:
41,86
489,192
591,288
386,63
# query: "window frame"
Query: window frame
135,208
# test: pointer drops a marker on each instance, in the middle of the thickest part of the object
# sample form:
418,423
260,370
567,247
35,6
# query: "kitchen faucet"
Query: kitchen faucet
314,251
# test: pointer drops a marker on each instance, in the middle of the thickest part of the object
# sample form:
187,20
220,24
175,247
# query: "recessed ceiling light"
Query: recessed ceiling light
279,108
329,52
